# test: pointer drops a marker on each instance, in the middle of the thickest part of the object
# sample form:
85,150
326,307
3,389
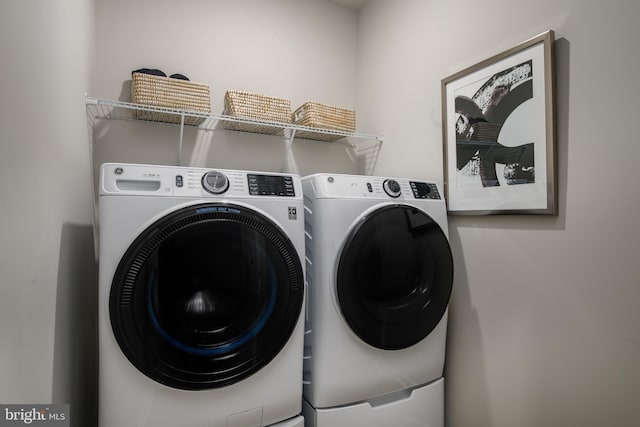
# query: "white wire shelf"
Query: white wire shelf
364,146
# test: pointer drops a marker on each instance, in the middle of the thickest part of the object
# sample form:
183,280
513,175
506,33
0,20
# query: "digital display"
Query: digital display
423,190
271,185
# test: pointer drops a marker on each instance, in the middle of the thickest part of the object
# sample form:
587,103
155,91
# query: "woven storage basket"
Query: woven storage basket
253,106
166,92
323,116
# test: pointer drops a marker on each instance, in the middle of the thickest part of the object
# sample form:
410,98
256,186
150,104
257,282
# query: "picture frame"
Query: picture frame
498,123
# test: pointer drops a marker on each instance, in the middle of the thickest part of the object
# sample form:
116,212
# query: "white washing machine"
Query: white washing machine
201,290
379,273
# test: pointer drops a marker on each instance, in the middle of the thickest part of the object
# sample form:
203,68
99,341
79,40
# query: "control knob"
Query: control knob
215,182
391,187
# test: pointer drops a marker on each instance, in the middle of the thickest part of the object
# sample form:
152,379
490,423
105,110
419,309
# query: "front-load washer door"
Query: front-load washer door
394,277
206,296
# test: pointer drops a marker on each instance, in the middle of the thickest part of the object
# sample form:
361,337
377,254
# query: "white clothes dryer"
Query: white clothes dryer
379,273
201,290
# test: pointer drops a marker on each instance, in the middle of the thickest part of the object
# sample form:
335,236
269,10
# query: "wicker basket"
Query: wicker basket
253,106
166,92
323,116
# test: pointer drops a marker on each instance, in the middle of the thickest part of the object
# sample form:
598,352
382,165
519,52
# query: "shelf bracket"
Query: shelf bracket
180,140
290,165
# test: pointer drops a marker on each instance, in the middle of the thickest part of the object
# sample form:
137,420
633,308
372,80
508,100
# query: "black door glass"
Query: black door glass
206,297
395,276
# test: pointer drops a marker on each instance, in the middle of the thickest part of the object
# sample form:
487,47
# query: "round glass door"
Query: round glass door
394,277
206,296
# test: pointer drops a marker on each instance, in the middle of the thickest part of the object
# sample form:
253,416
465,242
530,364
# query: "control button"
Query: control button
215,182
391,187
369,187
179,181
434,194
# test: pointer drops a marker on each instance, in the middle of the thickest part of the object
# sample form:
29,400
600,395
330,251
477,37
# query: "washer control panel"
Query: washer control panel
133,179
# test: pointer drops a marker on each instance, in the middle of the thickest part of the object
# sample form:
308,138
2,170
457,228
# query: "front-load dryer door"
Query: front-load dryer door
394,277
206,296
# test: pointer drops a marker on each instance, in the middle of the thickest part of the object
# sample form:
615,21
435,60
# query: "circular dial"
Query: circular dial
391,187
215,182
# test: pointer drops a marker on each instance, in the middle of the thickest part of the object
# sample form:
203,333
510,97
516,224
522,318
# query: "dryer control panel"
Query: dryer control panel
360,186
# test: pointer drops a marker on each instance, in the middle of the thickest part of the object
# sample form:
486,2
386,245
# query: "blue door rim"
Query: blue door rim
173,347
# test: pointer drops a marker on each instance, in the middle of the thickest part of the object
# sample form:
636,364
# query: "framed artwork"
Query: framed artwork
498,124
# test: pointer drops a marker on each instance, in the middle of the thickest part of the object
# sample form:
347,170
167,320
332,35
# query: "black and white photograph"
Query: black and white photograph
498,133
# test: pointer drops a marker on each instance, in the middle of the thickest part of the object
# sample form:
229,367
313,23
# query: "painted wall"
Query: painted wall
544,324
47,265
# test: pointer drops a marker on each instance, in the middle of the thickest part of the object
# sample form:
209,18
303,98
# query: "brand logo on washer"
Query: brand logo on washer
293,213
